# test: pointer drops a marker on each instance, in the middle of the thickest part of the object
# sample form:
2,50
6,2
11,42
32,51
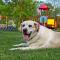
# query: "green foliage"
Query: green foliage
54,6
18,9
14,7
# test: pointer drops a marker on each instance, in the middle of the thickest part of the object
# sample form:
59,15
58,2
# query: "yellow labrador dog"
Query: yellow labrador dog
37,36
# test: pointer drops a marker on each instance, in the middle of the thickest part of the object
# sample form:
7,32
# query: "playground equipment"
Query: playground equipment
51,23
44,8
44,19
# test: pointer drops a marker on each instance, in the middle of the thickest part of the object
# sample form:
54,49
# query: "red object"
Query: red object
43,7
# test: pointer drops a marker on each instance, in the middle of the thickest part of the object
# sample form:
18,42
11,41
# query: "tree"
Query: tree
24,9
56,5
18,9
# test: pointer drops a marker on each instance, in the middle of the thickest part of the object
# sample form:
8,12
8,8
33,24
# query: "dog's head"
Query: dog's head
28,28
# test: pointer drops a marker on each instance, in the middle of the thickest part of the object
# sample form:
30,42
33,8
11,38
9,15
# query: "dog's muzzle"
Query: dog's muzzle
24,30
26,35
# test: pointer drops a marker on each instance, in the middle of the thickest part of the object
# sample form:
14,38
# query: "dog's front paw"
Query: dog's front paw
14,49
19,48
21,45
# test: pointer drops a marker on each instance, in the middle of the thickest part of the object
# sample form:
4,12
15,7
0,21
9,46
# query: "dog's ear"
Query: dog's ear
36,25
20,27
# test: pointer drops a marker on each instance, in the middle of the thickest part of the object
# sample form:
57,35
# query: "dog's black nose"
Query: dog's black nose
24,30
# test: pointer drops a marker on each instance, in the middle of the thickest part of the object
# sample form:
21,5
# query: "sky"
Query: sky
42,0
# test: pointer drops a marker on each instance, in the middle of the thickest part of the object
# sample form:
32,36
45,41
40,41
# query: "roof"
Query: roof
43,7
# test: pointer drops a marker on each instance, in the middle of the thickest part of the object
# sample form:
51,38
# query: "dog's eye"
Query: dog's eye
23,25
30,25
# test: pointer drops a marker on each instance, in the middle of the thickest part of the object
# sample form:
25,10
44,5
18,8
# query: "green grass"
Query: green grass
7,39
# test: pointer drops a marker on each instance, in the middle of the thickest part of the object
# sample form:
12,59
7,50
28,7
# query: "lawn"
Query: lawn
7,39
